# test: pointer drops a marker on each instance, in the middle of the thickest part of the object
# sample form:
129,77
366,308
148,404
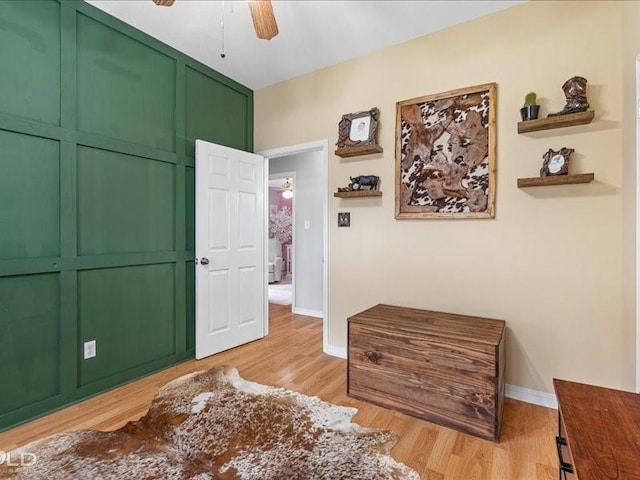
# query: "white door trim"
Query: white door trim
323,147
265,283
637,232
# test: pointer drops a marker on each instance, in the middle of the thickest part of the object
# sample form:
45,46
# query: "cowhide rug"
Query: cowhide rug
215,425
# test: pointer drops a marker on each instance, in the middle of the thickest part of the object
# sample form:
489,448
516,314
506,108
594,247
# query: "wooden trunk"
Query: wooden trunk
441,367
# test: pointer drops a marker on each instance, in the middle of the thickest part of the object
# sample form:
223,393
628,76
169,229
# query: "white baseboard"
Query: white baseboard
336,351
308,312
531,396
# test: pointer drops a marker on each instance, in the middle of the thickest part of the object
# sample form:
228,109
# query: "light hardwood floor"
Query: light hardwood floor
291,357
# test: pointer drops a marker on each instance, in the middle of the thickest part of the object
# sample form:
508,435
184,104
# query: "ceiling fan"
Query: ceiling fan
264,22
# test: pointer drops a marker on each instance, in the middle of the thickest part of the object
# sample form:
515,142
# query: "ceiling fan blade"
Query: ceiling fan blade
264,22
163,3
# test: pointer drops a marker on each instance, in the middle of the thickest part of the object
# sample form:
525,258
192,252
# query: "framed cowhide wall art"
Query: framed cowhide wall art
446,154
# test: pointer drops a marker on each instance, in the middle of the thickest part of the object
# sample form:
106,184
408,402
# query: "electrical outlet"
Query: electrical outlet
89,349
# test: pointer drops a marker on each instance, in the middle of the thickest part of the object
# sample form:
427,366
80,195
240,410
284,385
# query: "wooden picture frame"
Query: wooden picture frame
556,162
446,154
357,134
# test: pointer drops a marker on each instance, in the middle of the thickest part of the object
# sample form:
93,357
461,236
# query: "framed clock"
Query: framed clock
556,162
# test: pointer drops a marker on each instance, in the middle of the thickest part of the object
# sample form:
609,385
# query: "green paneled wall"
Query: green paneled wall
190,208
30,59
29,339
108,306
125,203
126,89
191,306
190,218
209,107
29,196
97,200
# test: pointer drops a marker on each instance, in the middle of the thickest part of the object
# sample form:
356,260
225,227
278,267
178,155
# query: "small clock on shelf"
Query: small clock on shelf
556,162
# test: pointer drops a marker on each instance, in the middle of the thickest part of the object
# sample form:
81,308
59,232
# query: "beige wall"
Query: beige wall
551,262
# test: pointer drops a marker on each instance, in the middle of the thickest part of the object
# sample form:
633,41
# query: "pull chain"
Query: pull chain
222,54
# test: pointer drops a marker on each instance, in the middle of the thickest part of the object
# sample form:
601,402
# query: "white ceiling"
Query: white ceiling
313,34
277,183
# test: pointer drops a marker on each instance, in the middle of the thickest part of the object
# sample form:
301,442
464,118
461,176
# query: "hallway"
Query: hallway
281,293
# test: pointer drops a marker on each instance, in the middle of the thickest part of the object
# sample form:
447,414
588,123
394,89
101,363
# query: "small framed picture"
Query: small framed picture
556,162
358,129
273,210
344,219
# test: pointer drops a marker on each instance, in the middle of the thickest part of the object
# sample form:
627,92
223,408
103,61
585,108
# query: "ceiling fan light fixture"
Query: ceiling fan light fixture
264,21
287,189
163,3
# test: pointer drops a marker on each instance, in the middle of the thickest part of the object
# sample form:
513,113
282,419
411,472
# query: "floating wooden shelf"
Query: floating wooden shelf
560,121
358,193
555,180
355,151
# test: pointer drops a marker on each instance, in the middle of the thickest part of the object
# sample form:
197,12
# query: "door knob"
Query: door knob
204,261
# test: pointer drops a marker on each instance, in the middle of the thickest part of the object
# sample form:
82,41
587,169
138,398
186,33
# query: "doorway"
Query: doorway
281,201
308,164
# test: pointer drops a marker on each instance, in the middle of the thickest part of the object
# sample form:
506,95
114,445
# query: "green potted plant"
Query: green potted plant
530,109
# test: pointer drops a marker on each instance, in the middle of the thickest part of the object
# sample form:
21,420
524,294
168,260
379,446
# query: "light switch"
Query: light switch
307,224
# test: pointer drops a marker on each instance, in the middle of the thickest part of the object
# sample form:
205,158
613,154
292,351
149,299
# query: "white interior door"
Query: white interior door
230,262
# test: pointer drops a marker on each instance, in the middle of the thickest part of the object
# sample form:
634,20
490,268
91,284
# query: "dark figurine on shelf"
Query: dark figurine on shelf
360,181
575,89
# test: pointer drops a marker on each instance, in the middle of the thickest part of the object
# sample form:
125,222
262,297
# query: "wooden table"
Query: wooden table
599,432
